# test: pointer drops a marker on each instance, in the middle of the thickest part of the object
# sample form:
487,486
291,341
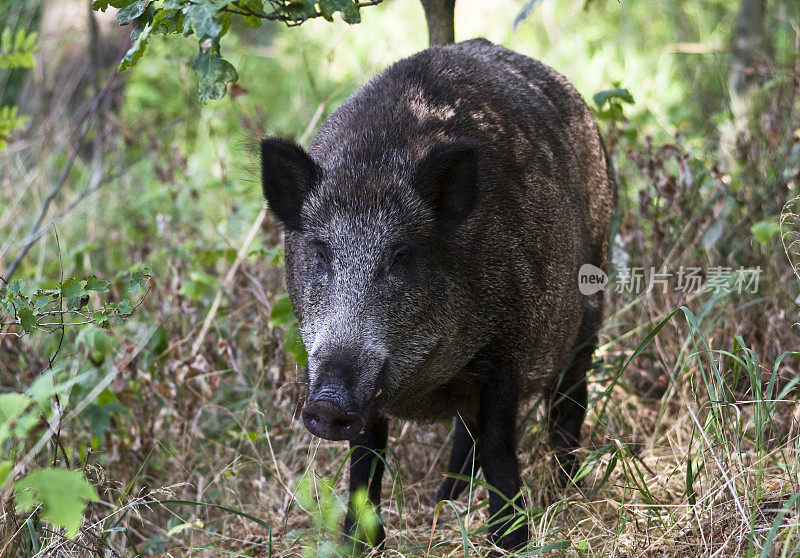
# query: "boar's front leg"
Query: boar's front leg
366,471
569,399
497,450
463,460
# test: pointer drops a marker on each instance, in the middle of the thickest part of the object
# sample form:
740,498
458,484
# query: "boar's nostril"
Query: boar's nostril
327,419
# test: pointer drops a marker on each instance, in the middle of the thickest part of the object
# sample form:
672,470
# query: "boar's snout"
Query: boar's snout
327,419
332,410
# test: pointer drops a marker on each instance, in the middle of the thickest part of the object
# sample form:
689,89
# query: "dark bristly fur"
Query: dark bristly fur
434,232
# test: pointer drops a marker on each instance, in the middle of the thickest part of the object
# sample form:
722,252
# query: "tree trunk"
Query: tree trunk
74,45
439,15
749,46
749,59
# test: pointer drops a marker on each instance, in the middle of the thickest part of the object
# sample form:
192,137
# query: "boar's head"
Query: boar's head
367,268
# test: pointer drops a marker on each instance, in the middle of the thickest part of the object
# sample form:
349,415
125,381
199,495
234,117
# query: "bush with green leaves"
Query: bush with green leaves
209,21
29,421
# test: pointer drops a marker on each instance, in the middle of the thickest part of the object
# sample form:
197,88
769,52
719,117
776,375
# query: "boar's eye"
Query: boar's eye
321,258
401,259
400,256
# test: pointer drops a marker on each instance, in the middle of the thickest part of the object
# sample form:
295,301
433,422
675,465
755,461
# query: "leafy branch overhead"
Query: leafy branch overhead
209,21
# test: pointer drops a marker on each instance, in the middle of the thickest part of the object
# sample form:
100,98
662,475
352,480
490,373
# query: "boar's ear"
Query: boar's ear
447,179
287,175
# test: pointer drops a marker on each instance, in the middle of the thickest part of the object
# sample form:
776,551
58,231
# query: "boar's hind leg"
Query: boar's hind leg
568,401
366,471
463,460
497,451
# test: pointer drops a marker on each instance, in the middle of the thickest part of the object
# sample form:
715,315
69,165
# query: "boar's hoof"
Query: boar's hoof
327,419
509,541
355,542
450,489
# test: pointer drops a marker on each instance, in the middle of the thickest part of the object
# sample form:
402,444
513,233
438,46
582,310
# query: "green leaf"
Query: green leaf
137,50
317,496
776,524
99,417
102,5
202,18
97,341
368,520
97,285
16,50
13,420
61,493
168,21
100,317
12,405
141,22
274,256
765,230
27,319
9,119
156,346
124,307
47,385
73,288
301,10
105,397
135,283
23,288
40,301
348,9
131,11
253,21
213,73
602,97
293,343
78,302
282,313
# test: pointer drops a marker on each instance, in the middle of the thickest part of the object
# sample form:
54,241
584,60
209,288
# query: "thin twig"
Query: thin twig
92,188
64,175
60,302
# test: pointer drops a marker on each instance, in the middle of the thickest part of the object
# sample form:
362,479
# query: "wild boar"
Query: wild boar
434,230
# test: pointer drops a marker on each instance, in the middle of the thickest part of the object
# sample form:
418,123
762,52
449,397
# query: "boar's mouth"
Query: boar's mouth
327,419
329,415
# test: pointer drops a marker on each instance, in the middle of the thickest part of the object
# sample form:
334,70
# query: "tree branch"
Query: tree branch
280,13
